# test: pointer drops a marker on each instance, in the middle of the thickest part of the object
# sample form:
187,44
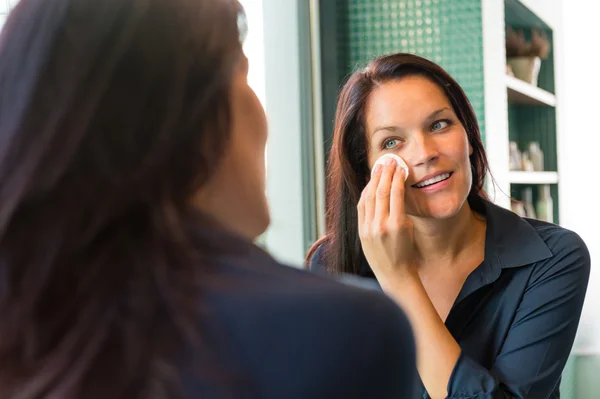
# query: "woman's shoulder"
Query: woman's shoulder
568,250
524,241
558,238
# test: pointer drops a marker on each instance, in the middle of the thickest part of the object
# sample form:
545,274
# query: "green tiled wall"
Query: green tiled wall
448,32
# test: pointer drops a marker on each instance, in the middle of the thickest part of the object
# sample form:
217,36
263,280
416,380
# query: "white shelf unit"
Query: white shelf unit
521,92
517,177
504,93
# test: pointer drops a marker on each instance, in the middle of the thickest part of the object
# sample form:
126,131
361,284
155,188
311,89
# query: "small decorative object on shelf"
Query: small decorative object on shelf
544,208
515,160
525,58
537,156
527,164
531,160
545,205
527,195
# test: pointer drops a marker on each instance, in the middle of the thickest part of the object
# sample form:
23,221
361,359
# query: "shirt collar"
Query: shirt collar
510,240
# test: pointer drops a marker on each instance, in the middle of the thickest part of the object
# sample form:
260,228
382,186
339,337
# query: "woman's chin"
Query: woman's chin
439,209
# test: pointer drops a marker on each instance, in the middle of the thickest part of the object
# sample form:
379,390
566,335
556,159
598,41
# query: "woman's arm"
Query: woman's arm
437,351
387,239
540,339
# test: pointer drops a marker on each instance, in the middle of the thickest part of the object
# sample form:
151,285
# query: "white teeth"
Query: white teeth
433,180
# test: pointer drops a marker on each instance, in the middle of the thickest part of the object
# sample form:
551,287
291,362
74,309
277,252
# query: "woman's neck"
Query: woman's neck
442,241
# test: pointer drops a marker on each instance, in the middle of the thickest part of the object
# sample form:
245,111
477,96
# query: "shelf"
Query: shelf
533,177
520,92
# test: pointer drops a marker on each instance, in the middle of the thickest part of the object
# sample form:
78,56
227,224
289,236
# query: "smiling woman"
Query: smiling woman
494,299
377,113
420,135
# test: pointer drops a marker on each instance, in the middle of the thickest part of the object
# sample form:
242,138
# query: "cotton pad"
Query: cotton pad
399,161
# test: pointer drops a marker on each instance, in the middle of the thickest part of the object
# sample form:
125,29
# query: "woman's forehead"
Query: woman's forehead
403,101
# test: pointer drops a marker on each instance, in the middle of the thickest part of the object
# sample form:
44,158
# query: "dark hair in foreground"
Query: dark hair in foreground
348,168
112,114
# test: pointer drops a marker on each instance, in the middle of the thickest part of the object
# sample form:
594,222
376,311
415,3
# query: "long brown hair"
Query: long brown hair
348,167
112,114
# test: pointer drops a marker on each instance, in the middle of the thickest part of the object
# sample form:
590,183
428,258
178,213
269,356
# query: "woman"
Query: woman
494,300
131,188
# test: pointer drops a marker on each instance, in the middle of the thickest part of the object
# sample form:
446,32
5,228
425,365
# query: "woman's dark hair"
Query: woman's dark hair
113,113
348,168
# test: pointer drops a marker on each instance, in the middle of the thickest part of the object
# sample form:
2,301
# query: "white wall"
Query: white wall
579,90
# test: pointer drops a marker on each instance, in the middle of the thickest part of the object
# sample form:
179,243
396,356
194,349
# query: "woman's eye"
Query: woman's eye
439,125
389,144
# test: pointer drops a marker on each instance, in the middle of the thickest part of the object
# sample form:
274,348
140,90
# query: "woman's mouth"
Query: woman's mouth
434,180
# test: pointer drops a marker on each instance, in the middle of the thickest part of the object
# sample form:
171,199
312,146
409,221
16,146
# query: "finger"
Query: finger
371,193
382,204
360,209
397,194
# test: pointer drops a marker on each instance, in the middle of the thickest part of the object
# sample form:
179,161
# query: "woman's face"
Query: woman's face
412,117
236,194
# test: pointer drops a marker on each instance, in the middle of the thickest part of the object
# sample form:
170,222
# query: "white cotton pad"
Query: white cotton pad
399,161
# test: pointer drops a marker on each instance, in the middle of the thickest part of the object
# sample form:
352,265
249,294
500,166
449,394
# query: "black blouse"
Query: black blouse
517,313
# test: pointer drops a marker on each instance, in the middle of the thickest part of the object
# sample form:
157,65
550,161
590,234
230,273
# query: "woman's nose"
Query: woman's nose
423,150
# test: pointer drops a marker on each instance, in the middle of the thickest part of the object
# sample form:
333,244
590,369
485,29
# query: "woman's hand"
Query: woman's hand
386,233
387,240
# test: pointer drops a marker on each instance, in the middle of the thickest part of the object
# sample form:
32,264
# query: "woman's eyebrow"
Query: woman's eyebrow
393,128
390,128
435,114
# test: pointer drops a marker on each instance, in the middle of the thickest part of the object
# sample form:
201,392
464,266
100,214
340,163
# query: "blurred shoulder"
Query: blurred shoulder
348,330
320,329
338,306
315,258
279,290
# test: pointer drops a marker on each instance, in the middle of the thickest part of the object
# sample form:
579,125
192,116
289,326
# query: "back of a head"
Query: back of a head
112,113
